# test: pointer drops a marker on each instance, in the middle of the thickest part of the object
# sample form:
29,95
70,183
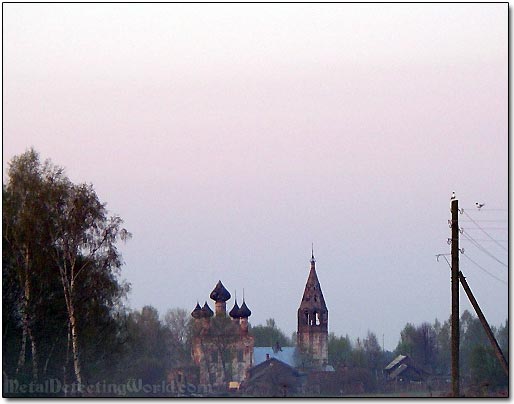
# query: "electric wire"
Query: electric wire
446,259
488,228
474,262
486,233
479,246
490,210
482,221
485,270
488,241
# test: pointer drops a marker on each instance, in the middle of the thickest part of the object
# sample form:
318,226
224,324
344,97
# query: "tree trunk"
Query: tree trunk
34,354
75,345
65,367
48,358
27,330
68,297
21,358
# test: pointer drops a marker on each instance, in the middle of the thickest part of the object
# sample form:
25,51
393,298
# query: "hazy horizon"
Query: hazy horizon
230,137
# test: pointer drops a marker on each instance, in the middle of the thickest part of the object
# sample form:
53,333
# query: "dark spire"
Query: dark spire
313,261
197,312
234,313
206,311
312,295
244,311
220,294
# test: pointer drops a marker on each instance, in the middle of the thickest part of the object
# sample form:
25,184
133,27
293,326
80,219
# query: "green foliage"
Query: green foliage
49,222
146,355
420,343
429,345
339,350
180,325
269,335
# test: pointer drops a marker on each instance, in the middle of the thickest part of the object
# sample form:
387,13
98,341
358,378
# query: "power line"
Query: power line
488,228
484,220
488,241
479,246
485,270
486,233
491,210
444,256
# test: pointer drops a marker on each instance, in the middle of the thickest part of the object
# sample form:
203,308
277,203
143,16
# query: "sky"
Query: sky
230,137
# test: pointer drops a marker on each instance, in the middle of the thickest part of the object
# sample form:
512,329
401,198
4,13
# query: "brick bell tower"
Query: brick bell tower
312,333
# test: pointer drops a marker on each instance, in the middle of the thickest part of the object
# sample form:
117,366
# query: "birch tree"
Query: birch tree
84,238
45,214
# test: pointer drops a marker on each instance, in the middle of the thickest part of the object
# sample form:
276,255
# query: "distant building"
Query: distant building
221,347
225,356
403,369
312,333
273,378
286,354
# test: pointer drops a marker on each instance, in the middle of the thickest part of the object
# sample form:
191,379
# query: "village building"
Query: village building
222,348
312,333
225,357
403,369
273,378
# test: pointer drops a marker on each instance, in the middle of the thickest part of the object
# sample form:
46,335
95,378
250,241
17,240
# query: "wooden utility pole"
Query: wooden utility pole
485,324
455,298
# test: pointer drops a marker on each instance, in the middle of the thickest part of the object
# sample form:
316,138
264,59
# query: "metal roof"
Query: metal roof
286,355
398,371
395,361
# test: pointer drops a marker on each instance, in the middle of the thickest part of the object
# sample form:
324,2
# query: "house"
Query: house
284,354
403,369
273,378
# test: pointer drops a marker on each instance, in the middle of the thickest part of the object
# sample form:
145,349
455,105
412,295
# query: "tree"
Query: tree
339,350
61,247
24,221
178,321
443,347
406,345
373,352
84,238
147,355
428,344
420,343
270,335
478,360
502,336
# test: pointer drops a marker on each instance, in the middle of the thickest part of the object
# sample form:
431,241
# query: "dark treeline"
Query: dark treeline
429,347
65,317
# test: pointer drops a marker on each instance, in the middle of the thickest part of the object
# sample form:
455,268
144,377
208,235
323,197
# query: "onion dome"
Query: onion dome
206,310
244,311
197,312
220,294
234,313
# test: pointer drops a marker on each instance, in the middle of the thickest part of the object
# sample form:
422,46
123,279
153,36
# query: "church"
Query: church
224,353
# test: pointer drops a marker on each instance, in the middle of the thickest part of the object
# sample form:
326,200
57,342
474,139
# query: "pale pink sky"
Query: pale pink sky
231,136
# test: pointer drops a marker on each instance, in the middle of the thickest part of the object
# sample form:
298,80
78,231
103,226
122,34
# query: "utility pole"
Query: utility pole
455,298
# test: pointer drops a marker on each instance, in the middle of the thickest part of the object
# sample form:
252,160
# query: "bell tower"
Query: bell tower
312,333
